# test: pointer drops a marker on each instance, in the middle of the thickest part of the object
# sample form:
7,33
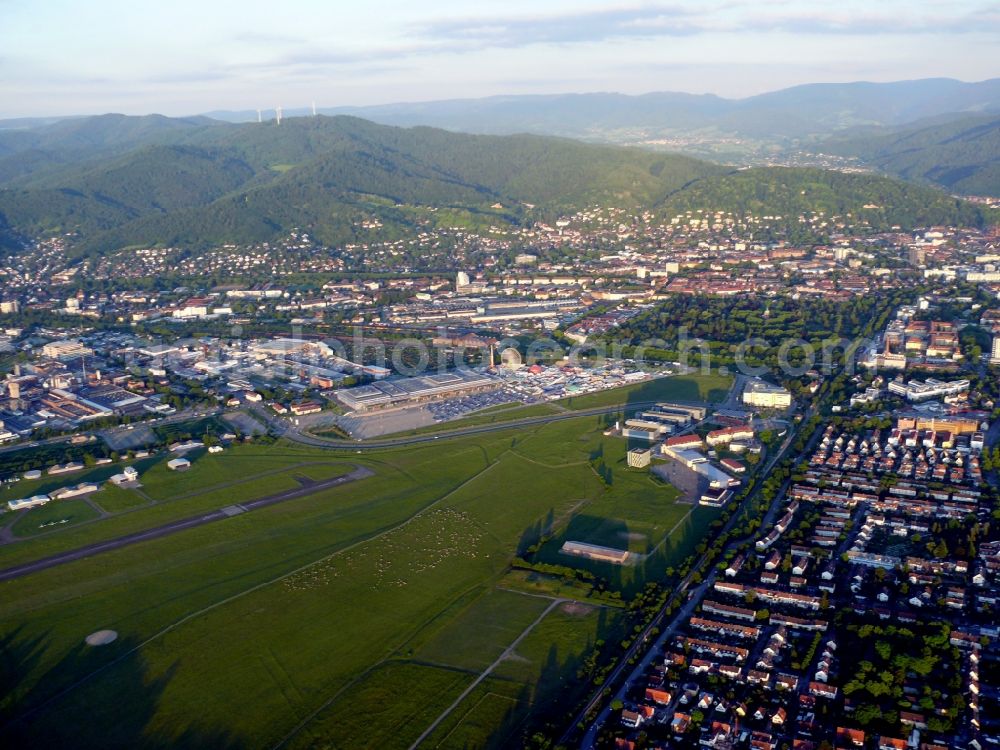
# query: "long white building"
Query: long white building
766,396
921,390
408,391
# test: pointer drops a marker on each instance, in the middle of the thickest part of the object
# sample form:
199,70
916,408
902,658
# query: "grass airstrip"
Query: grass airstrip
352,617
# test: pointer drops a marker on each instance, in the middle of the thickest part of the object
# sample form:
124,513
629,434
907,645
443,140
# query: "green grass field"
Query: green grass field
491,415
114,499
541,673
350,617
476,636
711,387
56,514
208,485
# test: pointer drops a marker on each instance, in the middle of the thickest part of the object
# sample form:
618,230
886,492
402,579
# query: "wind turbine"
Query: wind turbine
258,116
314,109
277,114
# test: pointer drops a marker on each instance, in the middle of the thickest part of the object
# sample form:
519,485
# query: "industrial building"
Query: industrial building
389,394
696,413
68,349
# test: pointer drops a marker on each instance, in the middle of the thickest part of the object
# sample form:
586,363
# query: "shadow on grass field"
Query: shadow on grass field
698,388
127,725
355,615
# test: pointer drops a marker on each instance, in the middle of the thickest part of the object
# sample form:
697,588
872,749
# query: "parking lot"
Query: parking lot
444,411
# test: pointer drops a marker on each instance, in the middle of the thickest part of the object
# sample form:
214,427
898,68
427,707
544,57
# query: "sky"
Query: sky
180,57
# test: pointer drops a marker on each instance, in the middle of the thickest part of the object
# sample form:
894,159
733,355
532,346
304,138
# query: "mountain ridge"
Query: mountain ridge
961,153
330,176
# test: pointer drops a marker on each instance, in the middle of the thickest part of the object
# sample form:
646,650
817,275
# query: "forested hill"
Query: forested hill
962,155
242,183
790,192
198,183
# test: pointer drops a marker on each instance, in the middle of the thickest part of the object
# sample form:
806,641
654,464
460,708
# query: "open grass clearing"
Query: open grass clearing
704,387
322,613
53,515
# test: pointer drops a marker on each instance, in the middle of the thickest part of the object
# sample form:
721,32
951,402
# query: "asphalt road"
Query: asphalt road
157,532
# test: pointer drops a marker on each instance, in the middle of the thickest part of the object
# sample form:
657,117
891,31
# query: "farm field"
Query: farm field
354,616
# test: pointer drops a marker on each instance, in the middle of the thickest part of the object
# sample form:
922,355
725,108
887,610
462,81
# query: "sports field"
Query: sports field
355,616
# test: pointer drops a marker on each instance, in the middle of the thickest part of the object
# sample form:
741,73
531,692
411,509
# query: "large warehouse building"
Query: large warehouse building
409,391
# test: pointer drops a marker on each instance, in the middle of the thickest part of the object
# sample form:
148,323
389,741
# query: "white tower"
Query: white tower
314,109
277,114
259,119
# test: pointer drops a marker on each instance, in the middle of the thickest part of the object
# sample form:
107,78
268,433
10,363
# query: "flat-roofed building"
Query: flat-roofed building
284,347
596,552
766,396
67,349
28,502
84,488
389,394
921,390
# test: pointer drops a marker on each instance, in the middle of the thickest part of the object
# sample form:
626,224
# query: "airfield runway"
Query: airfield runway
359,472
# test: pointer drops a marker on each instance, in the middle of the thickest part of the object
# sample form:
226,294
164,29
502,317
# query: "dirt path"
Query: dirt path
486,673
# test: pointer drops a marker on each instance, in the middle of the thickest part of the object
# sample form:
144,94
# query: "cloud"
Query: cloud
472,34
204,76
660,20
570,27
263,37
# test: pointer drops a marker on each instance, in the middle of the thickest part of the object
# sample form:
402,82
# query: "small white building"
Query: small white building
64,493
178,464
128,475
28,502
